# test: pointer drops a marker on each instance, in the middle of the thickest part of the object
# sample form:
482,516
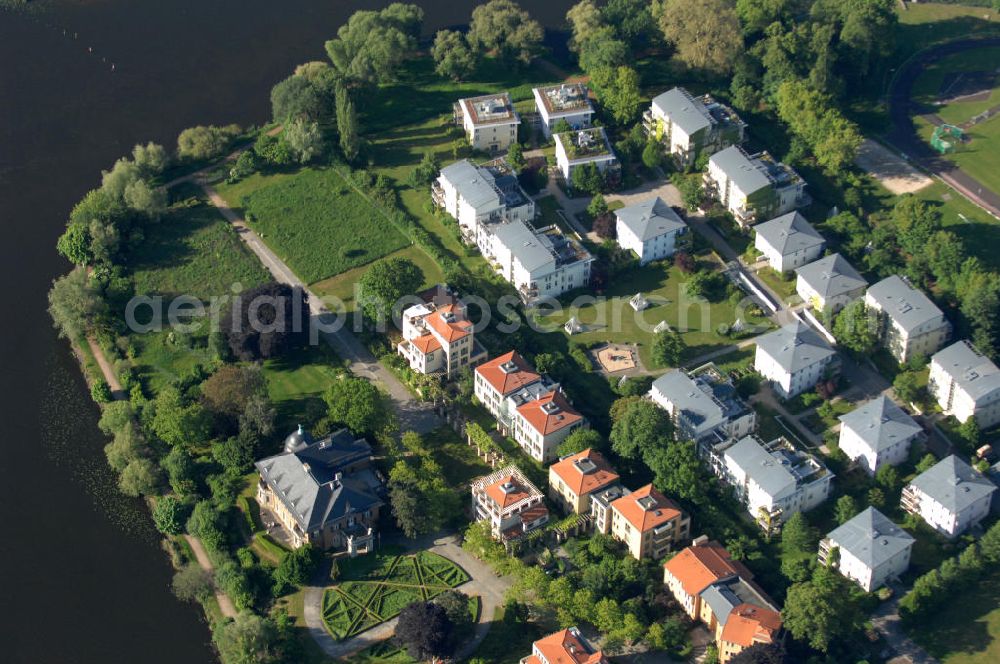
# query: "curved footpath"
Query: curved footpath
482,582
903,134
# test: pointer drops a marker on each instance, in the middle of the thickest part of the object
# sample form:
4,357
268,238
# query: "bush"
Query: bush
169,515
100,391
206,142
191,583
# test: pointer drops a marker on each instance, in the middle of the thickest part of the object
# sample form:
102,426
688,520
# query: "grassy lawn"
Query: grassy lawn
163,357
926,24
459,462
548,210
192,251
296,383
314,221
980,157
376,590
928,87
968,632
507,642
979,231
340,289
782,286
614,320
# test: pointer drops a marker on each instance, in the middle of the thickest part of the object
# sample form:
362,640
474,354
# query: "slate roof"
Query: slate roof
740,169
871,538
774,477
795,346
306,481
727,594
532,250
687,396
881,423
954,484
907,306
475,185
789,233
972,371
831,276
650,218
683,110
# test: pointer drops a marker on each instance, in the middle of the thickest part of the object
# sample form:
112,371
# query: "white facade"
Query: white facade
653,249
688,126
696,409
490,122
951,496
878,433
511,504
539,263
567,102
471,195
753,186
794,359
910,325
872,549
966,384
591,146
649,229
438,338
788,242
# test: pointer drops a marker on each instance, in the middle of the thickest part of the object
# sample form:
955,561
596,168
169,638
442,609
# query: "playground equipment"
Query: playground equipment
946,137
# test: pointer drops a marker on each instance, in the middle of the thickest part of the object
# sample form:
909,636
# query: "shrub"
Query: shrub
100,391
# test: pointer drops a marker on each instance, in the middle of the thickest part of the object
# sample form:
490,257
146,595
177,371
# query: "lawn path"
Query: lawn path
412,414
225,604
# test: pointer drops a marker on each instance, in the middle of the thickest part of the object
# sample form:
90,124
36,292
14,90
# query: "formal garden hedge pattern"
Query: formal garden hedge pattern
379,591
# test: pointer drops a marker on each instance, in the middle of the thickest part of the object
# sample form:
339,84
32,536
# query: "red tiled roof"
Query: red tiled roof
564,647
506,383
749,624
503,499
698,567
643,519
534,513
426,343
583,483
549,422
452,331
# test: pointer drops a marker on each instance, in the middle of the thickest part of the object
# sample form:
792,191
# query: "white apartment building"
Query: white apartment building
910,325
539,263
951,496
793,358
649,229
878,433
774,480
438,337
490,121
476,196
502,377
872,549
788,242
829,284
586,146
690,126
703,404
511,504
966,384
567,101
541,424
753,187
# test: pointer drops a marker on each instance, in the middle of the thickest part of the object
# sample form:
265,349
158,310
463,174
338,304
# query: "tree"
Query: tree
126,446
602,49
456,606
579,440
845,509
405,496
426,170
668,348
797,534
203,142
888,478
605,226
74,305
304,139
677,470
145,198
74,244
182,473
295,568
139,478
169,515
357,404
177,422
515,156
633,21
246,639
652,154
151,159
597,206
423,629
641,425
691,188
453,58
906,385
822,610
504,28
296,98
761,653
347,125
191,583
926,463
265,321
100,391
876,498
228,391
370,47
585,21
706,34
236,454
811,116
856,328
115,416
384,283
587,179
707,284
618,89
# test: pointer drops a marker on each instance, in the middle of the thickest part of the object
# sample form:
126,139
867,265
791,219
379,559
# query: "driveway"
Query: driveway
482,582
886,621
412,414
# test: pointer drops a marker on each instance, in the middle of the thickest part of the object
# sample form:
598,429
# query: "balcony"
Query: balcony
910,500
825,546
437,194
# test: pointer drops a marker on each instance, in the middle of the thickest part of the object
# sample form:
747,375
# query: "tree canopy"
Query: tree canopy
706,34
505,29
370,47
423,629
267,321
384,283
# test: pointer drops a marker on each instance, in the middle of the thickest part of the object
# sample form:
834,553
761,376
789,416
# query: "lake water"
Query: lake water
82,578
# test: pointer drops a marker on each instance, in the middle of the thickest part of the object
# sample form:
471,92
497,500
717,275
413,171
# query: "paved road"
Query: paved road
903,134
482,582
412,414
886,621
225,604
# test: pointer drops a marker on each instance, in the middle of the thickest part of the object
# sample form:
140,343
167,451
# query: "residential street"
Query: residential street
886,621
412,414
482,582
